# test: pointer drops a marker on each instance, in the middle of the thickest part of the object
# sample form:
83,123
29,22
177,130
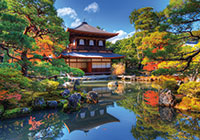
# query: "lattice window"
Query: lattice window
81,42
100,43
91,43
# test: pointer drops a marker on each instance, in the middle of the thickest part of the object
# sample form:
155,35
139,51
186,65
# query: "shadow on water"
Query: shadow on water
128,111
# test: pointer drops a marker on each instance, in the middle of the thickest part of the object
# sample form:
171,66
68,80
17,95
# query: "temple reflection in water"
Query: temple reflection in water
94,115
90,117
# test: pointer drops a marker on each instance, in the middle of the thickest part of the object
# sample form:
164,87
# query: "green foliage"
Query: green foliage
145,21
12,113
1,109
170,84
65,107
162,71
161,36
77,72
182,15
126,47
12,80
191,89
49,69
22,22
50,86
62,102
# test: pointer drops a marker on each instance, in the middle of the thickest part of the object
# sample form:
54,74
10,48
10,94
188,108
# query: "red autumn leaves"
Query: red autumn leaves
151,97
4,95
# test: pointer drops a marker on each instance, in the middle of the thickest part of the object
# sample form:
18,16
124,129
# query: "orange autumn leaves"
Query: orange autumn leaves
150,66
35,124
151,98
43,47
154,42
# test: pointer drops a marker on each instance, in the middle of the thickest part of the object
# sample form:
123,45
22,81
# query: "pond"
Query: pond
124,113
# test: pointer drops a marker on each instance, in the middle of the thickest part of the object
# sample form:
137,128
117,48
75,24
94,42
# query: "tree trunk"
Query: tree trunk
24,65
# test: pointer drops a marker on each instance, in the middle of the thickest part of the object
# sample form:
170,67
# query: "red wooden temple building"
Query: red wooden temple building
87,50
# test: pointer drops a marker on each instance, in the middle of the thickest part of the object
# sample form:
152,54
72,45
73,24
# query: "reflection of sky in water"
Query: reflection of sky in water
109,120
110,131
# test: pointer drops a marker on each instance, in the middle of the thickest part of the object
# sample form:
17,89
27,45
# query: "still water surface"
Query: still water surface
124,113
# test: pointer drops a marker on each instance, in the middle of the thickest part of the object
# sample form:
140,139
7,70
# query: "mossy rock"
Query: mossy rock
68,108
62,102
65,107
52,104
39,103
11,113
16,112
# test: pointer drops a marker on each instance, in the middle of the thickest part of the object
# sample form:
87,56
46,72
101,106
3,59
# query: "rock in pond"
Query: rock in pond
167,113
166,98
25,110
52,104
73,103
76,84
74,99
65,93
92,97
39,102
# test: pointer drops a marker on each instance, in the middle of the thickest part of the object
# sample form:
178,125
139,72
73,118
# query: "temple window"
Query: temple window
91,43
81,42
100,43
92,113
101,112
82,115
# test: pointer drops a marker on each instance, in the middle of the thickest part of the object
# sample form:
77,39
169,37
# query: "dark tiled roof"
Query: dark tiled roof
84,27
92,55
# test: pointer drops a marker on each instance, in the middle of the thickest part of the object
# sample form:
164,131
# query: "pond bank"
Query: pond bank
130,117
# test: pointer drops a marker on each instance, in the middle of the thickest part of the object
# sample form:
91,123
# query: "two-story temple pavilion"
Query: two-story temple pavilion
87,50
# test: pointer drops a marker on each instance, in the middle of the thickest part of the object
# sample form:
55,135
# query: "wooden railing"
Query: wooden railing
89,48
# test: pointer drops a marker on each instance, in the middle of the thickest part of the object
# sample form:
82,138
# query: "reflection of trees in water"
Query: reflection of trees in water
50,127
153,122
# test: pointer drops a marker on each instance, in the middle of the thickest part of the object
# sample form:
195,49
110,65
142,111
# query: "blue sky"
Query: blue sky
111,15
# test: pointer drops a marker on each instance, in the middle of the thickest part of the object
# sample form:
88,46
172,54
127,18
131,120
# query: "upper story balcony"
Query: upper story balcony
87,48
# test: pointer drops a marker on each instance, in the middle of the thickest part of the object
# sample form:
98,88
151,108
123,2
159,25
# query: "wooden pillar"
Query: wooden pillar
89,67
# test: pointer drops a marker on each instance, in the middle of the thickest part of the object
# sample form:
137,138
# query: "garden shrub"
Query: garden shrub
189,103
49,85
77,72
118,69
191,89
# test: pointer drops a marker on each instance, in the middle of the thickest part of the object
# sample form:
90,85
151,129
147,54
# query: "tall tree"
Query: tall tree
126,47
22,22
176,25
145,21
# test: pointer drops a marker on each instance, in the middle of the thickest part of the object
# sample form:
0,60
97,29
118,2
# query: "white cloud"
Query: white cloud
93,7
122,34
76,23
67,11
